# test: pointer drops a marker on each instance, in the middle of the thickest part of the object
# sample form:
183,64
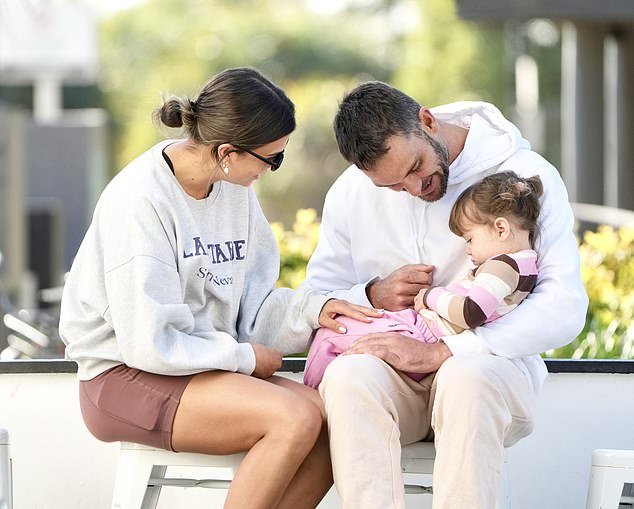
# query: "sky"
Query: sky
107,7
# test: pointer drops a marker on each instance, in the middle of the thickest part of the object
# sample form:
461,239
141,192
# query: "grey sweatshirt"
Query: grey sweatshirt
169,284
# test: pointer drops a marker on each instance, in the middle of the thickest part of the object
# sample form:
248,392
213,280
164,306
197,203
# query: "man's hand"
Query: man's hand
397,291
335,307
267,361
402,352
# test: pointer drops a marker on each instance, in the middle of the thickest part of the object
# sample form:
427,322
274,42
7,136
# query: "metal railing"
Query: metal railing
601,214
30,333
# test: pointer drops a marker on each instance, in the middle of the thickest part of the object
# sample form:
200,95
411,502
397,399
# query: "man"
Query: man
380,247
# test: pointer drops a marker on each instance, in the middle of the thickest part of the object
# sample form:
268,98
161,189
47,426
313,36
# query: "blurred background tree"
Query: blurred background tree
318,49
172,46
314,49
607,270
446,59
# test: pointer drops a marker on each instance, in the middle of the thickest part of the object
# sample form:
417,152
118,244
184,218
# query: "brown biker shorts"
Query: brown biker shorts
129,405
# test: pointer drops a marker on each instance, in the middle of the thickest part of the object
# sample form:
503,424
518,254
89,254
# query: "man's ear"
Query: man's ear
502,228
427,119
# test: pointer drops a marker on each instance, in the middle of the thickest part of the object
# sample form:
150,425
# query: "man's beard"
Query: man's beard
443,163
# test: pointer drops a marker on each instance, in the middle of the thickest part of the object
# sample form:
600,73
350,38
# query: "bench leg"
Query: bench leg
606,486
131,481
6,475
153,491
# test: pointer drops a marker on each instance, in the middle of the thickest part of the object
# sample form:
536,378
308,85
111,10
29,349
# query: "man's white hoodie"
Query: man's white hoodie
368,232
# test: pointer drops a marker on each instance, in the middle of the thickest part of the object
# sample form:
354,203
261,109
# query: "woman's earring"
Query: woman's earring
225,168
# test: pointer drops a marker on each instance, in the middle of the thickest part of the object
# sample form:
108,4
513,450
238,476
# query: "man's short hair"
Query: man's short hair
368,115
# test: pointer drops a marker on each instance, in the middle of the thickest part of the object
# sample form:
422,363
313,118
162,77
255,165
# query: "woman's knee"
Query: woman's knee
299,420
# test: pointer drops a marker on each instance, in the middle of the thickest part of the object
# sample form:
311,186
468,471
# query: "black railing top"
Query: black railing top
296,365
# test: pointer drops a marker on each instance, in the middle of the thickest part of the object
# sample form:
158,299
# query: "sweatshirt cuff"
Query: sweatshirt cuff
246,358
314,304
431,296
426,292
467,342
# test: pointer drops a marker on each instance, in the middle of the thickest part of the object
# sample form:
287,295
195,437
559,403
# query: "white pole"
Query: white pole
47,98
526,85
6,495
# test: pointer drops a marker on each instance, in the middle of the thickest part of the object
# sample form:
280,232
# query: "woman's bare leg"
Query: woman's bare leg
314,477
223,413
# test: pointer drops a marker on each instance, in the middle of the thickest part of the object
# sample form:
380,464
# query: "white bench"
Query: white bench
142,471
6,495
611,473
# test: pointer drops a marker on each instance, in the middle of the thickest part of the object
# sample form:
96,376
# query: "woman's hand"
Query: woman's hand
267,361
335,307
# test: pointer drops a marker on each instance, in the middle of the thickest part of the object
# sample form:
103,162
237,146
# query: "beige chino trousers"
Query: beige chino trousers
472,408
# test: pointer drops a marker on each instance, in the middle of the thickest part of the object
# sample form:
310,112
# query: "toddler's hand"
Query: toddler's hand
419,300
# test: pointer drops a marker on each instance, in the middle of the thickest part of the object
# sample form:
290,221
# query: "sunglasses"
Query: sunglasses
274,162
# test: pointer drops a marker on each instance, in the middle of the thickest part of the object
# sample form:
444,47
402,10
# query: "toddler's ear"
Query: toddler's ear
502,227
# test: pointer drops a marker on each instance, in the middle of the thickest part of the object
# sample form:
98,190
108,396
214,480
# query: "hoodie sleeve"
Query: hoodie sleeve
554,313
331,268
280,318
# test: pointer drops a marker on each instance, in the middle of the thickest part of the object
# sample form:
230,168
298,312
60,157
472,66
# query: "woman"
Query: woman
171,311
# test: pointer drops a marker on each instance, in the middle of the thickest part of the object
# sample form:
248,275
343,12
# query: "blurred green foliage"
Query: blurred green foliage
447,59
296,246
315,50
174,47
607,270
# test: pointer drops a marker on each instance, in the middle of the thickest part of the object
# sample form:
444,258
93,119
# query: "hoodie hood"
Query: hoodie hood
485,122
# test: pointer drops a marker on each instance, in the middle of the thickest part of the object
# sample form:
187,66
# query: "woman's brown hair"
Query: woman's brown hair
238,106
